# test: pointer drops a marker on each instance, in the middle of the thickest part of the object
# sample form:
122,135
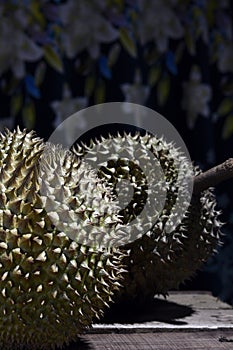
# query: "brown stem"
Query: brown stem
213,176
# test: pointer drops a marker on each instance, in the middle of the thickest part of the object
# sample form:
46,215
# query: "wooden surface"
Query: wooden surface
186,320
181,310
157,341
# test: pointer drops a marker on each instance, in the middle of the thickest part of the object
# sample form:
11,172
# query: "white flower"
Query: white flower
158,23
196,96
16,48
85,27
136,92
64,109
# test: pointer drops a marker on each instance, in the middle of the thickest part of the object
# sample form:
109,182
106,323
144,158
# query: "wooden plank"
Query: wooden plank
201,340
185,321
180,311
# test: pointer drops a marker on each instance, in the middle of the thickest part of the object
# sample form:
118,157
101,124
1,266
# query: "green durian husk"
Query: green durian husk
152,273
51,286
158,261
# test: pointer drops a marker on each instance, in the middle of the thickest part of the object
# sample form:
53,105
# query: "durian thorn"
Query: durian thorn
30,178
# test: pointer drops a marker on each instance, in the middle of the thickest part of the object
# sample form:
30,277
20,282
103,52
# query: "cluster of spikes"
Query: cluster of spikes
51,286
71,242
169,252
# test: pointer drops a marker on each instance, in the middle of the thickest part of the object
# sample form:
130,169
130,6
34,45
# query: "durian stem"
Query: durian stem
213,176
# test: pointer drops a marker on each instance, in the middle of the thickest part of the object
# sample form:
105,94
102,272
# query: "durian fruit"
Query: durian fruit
160,259
51,286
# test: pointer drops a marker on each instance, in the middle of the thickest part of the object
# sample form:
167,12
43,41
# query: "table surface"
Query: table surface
185,320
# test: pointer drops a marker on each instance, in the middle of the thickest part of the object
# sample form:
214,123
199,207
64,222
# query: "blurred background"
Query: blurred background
174,56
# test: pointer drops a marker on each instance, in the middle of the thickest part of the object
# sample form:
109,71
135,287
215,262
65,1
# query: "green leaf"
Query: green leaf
29,115
151,56
226,106
53,58
189,43
89,85
118,3
154,74
197,12
163,89
37,13
113,54
16,104
40,73
127,42
100,93
210,12
228,127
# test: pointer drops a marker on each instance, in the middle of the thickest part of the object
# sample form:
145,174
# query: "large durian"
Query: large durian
159,259
51,286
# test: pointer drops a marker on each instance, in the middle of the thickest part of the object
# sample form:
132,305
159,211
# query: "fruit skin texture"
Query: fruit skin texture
153,273
51,287
159,260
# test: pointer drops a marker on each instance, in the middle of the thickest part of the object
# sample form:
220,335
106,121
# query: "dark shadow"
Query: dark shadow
156,310
80,344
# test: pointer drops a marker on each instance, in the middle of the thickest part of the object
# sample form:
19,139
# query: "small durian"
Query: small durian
160,259
51,286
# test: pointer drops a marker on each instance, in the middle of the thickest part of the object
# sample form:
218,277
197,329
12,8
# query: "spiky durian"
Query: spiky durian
160,259
51,286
